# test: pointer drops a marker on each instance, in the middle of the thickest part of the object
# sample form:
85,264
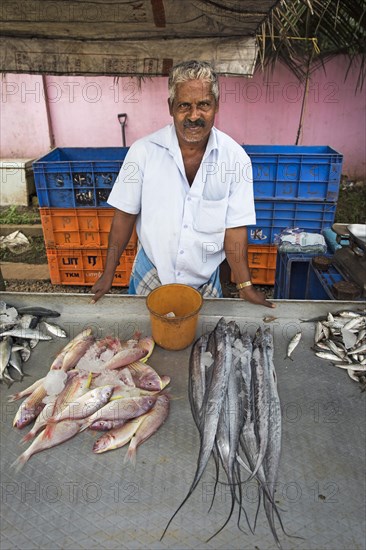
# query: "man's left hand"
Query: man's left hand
250,294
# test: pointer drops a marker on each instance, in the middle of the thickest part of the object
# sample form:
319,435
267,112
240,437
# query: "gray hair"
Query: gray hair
193,70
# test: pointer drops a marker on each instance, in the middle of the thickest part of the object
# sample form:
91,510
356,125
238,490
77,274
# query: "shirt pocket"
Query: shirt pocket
210,216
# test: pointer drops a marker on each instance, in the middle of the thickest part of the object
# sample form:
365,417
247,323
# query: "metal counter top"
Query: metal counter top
70,498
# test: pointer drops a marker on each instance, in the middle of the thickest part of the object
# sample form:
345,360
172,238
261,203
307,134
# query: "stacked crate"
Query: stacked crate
294,186
73,186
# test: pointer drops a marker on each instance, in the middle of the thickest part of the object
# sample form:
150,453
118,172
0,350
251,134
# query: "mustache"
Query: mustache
194,124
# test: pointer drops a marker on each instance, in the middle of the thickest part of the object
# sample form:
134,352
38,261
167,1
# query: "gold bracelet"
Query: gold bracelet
239,286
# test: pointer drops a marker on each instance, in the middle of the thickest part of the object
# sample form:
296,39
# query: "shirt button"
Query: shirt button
185,226
189,199
178,273
181,251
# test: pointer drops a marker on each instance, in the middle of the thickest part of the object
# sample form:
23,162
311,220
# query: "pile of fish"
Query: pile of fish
236,408
100,384
341,338
20,331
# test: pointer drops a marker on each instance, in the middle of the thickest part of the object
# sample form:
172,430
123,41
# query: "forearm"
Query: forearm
236,251
119,235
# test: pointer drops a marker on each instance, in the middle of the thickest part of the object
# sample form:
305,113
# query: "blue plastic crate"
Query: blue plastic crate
320,284
291,275
295,172
274,216
78,176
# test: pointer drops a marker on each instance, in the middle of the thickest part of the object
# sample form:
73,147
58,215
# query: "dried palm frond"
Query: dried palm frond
301,31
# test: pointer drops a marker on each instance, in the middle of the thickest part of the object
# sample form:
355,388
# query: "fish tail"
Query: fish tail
269,513
130,456
20,461
232,490
258,464
217,469
14,397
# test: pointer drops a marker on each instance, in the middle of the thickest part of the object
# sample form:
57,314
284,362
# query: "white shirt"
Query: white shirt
182,227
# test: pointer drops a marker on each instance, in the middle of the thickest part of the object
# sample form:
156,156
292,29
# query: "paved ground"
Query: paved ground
19,271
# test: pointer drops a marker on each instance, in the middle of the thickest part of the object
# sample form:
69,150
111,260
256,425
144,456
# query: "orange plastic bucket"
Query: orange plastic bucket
178,332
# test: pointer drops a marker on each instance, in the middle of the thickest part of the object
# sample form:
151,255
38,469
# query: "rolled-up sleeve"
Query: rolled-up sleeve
241,209
127,189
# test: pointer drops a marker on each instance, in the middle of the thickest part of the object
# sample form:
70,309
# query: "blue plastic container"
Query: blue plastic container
292,172
274,216
291,275
77,177
319,284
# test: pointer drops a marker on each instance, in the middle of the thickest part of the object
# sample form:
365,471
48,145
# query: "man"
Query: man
189,189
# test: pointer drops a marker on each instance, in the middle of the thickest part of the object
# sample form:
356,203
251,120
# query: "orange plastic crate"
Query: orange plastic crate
78,227
84,266
262,264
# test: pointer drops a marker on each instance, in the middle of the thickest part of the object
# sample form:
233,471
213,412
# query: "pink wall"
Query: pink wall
262,110
24,127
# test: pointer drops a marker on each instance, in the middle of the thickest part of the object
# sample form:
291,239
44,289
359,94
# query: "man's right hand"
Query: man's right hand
101,287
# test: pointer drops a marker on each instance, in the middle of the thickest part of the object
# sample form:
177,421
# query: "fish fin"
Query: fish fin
27,437
47,434
85,425
89,380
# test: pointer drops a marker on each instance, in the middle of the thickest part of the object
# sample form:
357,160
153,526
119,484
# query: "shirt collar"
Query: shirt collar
167,137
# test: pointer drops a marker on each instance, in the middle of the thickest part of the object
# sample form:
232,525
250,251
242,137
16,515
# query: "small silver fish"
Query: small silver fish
269,319
319,333
352,375
352,366
5,352
292,344
335,349
326,331
354,322
16,362
28,334
360,349
33,342
348,314
328,355
26,321
25,352
53,329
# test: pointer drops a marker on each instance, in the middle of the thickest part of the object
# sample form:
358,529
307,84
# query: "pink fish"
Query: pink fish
52,435
105,425
145,377
125,357
122,409
85,405
30,408
152,422
117,437
27,391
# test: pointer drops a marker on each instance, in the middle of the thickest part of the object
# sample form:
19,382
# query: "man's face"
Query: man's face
193,111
